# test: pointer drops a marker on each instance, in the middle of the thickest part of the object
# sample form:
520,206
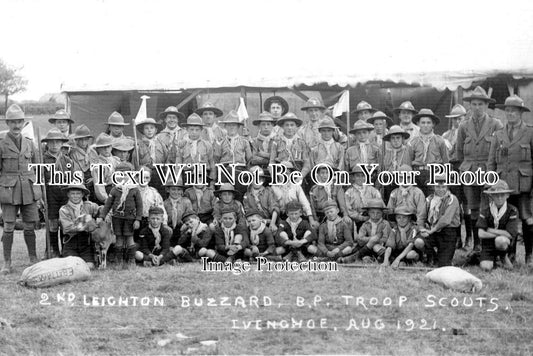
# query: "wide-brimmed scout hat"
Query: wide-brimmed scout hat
61,114
171,110
77,187
458,110
499,188
313,103
194,120
253,212
479,94
380,115
103,140
123,144
262,172
330,204
426,113
514,101
326,123
124,167
361,125
187,214
209,107
265,116
116,119
293,205
403,210
439,178
142,123
54,134
362,106
396,130
14,112
178,184
375,204
357,170
82,131
405,168
226,187
155,210
289,117
278,99
406,105
231,118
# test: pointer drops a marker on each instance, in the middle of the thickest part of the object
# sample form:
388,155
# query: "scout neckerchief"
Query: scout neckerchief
194,149
328,145
150,142
125,189
229,234
288,143
328,189
332,228
150,198
173,133
496,213
254,234
232,140
374,226
396,159
198,192
76,208
175,205
403,233
364,153
426,141
157,235
255,193
265,140
294,226
434,208
404,191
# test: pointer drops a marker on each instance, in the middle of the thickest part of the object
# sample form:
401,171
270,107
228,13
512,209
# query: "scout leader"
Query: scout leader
211,132
17,191
472,150
405,113
262,143
427,147
511,155
172,134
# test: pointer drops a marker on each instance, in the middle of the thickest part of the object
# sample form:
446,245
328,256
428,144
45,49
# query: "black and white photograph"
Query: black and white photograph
266,177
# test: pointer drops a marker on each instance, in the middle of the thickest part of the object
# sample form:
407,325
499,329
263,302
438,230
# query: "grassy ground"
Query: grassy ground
74,328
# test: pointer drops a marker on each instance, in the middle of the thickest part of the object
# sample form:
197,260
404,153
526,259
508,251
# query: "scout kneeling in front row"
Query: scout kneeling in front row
334,235
401,241
261,239
230,238
498,226
296,235
154,239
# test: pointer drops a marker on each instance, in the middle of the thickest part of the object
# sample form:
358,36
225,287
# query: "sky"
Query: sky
101,43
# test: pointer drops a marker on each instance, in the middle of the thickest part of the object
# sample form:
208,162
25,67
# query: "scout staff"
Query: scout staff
77,242
154,239
397,154
498,225
289,147
405,113
261,238
327,150
427,147
381,122
296,235
62,121
172,134
56,197
277,107
362,151
335,237
194,149
260,197
410,196
211,131
115,126
443,219
472,150
82,156
262,143
511,155
400,244
372,236
17,191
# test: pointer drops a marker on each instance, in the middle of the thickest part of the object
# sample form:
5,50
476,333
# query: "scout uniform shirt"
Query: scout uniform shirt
320,194
334,234
152,151
411,197
234,205
100,190
227,236
400,238
261,147
428,149
69,212
361,153
16,180
202,199
511,156
289,192
369,228
154,241
263,200
213,134
309,133
413,131
196,151
196,238
295,231
328,152
294,150
175,209
170,140
356,198
451,137
82,160
443,212
235,149
394,158
473,142
262,238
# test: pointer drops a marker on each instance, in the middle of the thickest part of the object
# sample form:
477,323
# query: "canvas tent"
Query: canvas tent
93,103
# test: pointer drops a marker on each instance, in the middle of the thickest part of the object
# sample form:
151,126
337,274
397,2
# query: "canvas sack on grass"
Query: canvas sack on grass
55,271
455,278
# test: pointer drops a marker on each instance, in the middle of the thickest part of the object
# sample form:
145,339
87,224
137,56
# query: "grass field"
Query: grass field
491,326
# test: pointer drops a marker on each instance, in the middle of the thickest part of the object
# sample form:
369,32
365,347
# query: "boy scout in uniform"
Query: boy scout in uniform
82,156
362,151
309,131
335,237
277,107
327,150
511,155
381,124
211,131
397,154
17,191
262,143
405,113
472,150
410,196
62,121
260,197
115,126
172,134
401,242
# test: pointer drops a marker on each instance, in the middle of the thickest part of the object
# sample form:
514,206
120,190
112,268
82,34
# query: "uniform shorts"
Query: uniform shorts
523,203
475,199
29,212
79,245
122,227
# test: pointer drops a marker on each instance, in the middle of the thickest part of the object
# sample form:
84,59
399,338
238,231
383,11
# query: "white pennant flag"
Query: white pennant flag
241,111
27,131
343,105
141,114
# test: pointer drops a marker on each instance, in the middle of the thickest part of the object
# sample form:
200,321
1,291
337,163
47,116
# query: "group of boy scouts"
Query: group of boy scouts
156,223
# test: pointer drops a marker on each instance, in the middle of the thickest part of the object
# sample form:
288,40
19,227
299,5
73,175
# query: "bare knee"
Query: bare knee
202,252
210,253
139,256
312,249
419,244
280,250
177,250
9,226
486,265
346,251
412,255
28,226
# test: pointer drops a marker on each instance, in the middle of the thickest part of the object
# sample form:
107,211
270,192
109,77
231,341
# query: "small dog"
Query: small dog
101,234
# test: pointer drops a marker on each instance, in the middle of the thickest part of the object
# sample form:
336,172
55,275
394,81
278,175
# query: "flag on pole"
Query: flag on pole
27,130
141,114
241,111
343,105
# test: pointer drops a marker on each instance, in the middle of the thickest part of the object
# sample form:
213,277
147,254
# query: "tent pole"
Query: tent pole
348,127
